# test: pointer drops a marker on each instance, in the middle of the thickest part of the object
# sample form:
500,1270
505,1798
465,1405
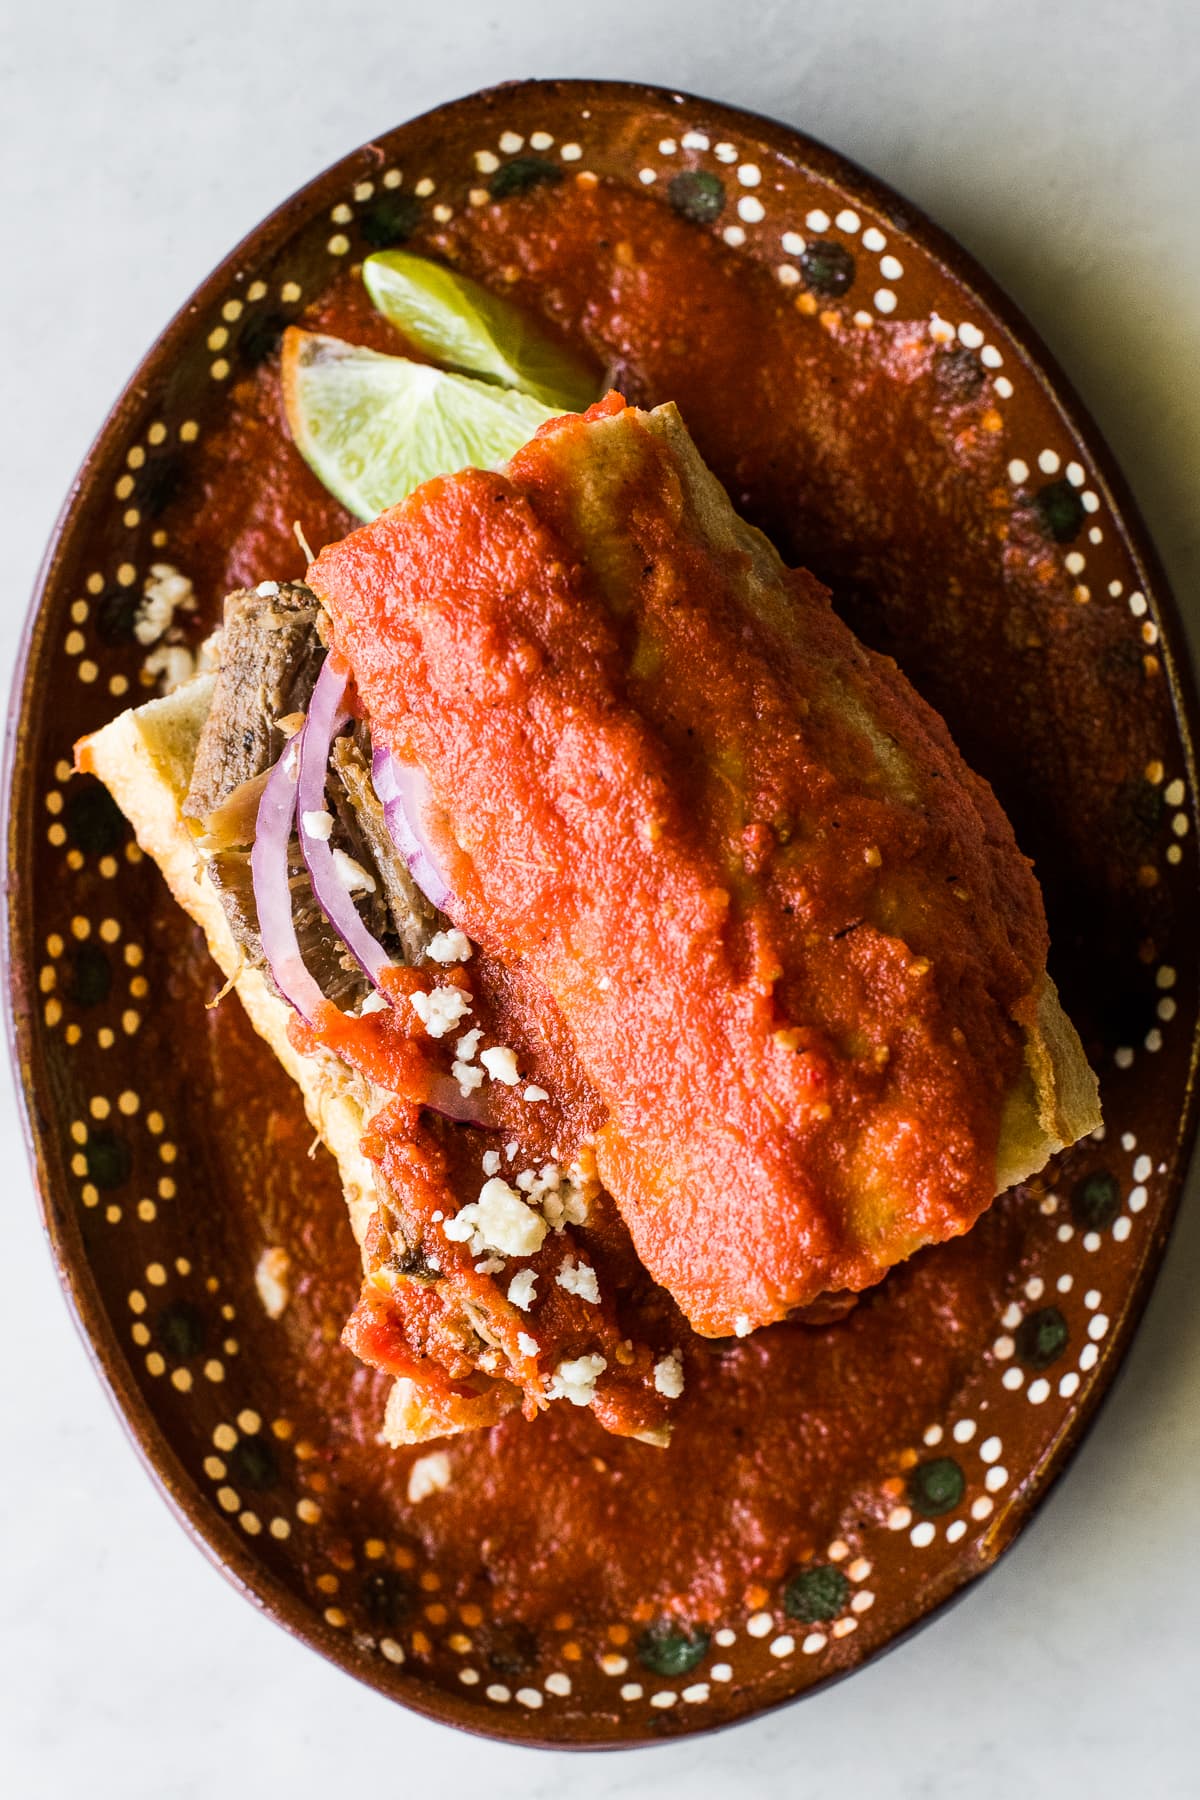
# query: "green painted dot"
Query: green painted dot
1042,1337
1096,1200
108,1159
828,267
390,220
253,1463
698,194
522,174
180,1329
158,482
1060,511
958,374
387,1598
936,1487
261,337
670,1649
87,977
816,1593
116,615
93,819
510,1649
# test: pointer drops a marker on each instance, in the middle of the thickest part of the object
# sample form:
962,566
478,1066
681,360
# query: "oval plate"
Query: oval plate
1055,653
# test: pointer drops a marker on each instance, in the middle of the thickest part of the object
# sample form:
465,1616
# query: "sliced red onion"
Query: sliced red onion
326,716
403,790
272,888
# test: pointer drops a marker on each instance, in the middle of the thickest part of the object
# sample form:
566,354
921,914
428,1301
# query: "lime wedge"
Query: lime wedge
373,427
457,322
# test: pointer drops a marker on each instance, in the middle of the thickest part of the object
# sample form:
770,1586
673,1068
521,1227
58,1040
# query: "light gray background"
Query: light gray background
1061,142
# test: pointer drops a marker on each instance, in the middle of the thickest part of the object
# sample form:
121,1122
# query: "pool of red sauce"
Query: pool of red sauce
783,1439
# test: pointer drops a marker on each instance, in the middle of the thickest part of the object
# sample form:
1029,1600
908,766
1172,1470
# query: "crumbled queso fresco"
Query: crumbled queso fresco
501,1064
521,1289
498,1220
351,875
428,1475
576,1381
441,1009
668,1376
450,947
579,1278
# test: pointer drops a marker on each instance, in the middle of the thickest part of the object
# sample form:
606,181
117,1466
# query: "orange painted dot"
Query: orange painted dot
572,1652
133,955
108,867
154,1363
374,1548
128,1102
403,1557
224,1437
1147,876
182,1265
991,420
893,1487
47,978
166,1188
130,1022
214,1468
81,928
305,1449
168,1152
907,1459
137,1301
156,1275
147,1211
106,1037
1154,772
214,1370
460,1643
99,1106
250,1523
279,1528
563,1621
421,1644
56,835
140,1333
95,584
182,1379
89,1194
318,1481
618,1634
757,1596
328,1584
470,1614
282,1428
308,1510
437,1613
113,1214
431,1581
335,1616
75,862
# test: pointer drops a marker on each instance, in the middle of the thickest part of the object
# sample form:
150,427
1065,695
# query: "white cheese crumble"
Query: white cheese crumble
164,593
742,1326
501,1064
491,1162
534,1094
668,1376
511,1148
468,1044
450,947
272,1278
171,665
576,1381
467,1076
579,1279
521,1288
373,1003
317,825
428,1475
440,1010
267,590
491,1265
528,1346
352,876
498,1220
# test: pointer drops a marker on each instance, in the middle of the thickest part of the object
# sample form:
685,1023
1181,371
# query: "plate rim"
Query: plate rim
60,1225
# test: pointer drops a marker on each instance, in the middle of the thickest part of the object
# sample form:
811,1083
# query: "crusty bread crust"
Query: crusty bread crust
144,758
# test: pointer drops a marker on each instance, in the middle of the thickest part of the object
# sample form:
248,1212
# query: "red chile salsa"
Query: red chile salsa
786,1436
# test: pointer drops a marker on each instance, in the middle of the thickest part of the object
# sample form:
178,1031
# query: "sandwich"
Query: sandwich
644,950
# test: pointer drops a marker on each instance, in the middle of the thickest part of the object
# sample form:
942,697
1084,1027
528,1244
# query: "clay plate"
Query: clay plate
1055,653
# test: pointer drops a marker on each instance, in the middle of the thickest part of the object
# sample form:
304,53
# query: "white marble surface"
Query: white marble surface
1061,142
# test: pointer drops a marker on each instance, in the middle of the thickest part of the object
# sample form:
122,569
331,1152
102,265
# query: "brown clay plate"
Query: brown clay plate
873,401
